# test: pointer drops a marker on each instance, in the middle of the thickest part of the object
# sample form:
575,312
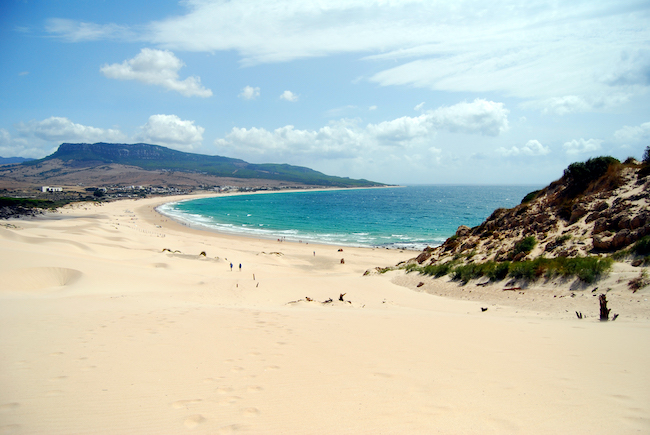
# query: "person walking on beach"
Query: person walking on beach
240,267
231,266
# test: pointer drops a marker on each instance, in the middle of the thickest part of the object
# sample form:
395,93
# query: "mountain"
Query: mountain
598,207
76,158
13,160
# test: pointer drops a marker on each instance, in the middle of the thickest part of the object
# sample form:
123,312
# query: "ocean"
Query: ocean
410,217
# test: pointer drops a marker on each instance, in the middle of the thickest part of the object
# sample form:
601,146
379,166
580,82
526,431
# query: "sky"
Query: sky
400,92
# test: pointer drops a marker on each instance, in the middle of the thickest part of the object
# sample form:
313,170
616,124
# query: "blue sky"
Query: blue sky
469,92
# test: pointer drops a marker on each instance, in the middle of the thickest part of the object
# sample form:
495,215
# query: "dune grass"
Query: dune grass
587,269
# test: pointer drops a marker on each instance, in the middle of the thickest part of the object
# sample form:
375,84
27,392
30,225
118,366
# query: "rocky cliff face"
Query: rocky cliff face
602,210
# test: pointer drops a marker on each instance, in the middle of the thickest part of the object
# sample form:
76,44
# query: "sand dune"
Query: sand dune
112,322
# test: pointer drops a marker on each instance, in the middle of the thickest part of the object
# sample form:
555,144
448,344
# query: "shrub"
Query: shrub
530,196
642,246
525,245
587,269
580,174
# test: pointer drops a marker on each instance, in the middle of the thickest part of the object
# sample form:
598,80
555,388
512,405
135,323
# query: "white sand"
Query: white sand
103,332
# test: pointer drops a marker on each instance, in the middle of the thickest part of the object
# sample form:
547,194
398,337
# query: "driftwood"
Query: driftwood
511,289
202,254
329,301
483,309
341,297
604,311
482,284
579,315
420,284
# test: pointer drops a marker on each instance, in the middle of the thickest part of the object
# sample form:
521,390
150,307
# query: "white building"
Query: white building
51,189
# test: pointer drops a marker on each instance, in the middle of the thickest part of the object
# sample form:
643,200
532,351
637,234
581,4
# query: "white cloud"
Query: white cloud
171,131
348,138
532,148
75,31
289,96
372,108
632,135
58,129
576,104
419,106
581,146
480,116
249,93
342,139
157,67
19,147
535,50
633,69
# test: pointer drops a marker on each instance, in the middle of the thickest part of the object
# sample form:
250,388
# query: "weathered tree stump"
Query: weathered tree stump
604,311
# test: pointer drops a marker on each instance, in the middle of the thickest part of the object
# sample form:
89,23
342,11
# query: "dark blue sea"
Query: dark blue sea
409,217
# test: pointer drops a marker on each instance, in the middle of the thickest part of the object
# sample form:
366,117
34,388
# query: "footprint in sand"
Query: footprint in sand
9,406
56,354
181,404
230,400
237,369
251,412
58,379
254,389
230,429
272,368
224,390
193,421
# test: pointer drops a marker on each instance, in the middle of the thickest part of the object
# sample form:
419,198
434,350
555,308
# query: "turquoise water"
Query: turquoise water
409,217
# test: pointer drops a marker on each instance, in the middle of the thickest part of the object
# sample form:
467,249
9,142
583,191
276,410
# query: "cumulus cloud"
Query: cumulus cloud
59,129
249,93
289,96
581,146
19,147
340,139
419,106
157,67
531,148
348,138
480,116
172,131
633,135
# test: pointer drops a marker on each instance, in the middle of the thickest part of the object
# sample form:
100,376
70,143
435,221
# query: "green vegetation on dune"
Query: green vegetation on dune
31,203
587,269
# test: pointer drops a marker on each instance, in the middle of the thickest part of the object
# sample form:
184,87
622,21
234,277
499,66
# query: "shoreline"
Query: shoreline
189,223
112,321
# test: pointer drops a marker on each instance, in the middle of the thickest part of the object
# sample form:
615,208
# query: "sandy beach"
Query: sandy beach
112,322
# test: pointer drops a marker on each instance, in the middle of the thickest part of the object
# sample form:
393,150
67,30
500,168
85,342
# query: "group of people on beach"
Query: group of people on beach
231,266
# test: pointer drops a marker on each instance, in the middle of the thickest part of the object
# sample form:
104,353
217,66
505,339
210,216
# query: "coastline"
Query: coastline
112,321
280,233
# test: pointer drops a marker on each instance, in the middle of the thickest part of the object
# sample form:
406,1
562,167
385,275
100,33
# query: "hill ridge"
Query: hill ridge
151,157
